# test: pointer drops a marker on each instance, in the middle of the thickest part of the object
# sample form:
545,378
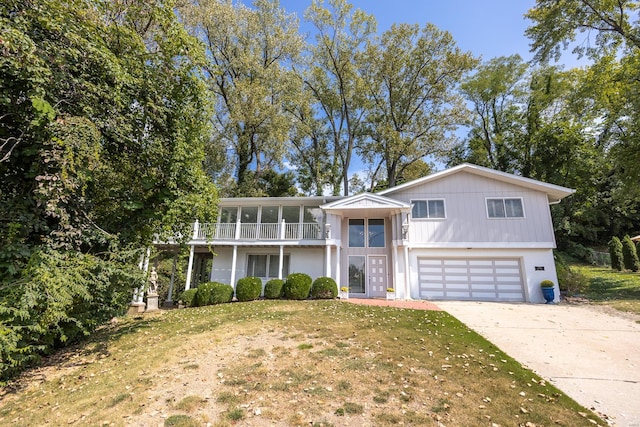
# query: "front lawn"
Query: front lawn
620,290
313,363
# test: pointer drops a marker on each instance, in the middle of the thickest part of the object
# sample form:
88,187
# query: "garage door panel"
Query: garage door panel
470,278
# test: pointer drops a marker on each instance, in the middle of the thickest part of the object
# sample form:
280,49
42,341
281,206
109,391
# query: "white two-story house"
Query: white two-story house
466,233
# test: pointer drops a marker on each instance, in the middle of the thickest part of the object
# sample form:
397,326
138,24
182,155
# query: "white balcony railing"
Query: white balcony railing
271,231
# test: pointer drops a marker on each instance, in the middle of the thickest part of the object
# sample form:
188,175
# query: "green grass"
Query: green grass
617,289
393,366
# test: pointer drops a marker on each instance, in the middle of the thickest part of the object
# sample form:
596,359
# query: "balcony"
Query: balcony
258,232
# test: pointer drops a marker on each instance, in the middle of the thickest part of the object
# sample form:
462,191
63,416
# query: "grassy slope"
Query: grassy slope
620,290
292,363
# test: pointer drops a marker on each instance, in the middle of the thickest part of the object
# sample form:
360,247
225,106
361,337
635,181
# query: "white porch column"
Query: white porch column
281,261
234,260
173,277
407,281
394,261
327,270
338,265
190,267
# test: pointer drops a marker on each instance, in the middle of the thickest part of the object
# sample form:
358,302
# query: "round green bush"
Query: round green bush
203,294
213,293
297,286
274,289
248,289
324,288
221,293
188,296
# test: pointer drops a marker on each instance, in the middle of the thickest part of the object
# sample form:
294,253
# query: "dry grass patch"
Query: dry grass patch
289,363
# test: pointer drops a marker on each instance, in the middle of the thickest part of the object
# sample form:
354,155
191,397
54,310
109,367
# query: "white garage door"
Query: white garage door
470,279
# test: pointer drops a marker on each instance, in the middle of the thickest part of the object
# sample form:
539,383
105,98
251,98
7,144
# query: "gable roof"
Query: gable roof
555,193
366,201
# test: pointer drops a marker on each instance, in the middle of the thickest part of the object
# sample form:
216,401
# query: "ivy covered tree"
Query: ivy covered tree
629,254
615,251
102,128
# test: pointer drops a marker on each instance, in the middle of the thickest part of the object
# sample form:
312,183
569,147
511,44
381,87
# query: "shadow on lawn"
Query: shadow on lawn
608,285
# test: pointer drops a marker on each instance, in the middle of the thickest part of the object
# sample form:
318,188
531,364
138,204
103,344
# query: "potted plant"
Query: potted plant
344,293
547,287
391,294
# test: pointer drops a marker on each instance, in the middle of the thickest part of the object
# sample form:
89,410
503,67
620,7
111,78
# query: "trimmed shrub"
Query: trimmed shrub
615,251
274,289
324,288
297,286
213,293
221,293
188,297
629,254
203,294
248,289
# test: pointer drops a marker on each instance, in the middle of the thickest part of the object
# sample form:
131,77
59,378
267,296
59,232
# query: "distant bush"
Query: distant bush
629,254
570,281
581,252
221,293
187,297
248,288
274,289
324,288
615,251
297,286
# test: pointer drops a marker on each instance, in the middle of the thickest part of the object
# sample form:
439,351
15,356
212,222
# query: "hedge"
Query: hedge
213,293
274,289
297,286
188,297
248,289
324,288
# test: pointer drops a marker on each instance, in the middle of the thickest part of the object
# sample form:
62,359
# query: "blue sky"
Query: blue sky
485,27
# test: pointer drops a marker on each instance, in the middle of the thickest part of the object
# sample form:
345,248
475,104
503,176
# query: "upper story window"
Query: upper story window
505,208
366,234
431,209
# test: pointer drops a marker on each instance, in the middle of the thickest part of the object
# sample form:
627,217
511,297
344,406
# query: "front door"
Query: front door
377,275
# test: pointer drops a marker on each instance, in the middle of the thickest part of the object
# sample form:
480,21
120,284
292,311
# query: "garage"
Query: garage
482,279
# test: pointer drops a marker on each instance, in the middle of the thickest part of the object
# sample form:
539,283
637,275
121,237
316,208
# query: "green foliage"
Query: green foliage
324,288
213,293
629,254
570,280
547,284
221,293
60,298
274,289
248,289
188,297
615,251
297,286
406,124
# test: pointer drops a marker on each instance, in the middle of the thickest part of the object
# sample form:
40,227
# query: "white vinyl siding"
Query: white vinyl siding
505,208
431,209
468,224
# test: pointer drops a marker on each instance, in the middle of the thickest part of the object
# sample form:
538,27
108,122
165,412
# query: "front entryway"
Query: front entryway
368,275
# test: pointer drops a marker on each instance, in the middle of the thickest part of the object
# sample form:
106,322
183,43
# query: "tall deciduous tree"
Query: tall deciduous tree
334,78
411,77
250,52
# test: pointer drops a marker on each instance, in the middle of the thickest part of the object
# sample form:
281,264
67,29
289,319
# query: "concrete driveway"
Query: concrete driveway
592,356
